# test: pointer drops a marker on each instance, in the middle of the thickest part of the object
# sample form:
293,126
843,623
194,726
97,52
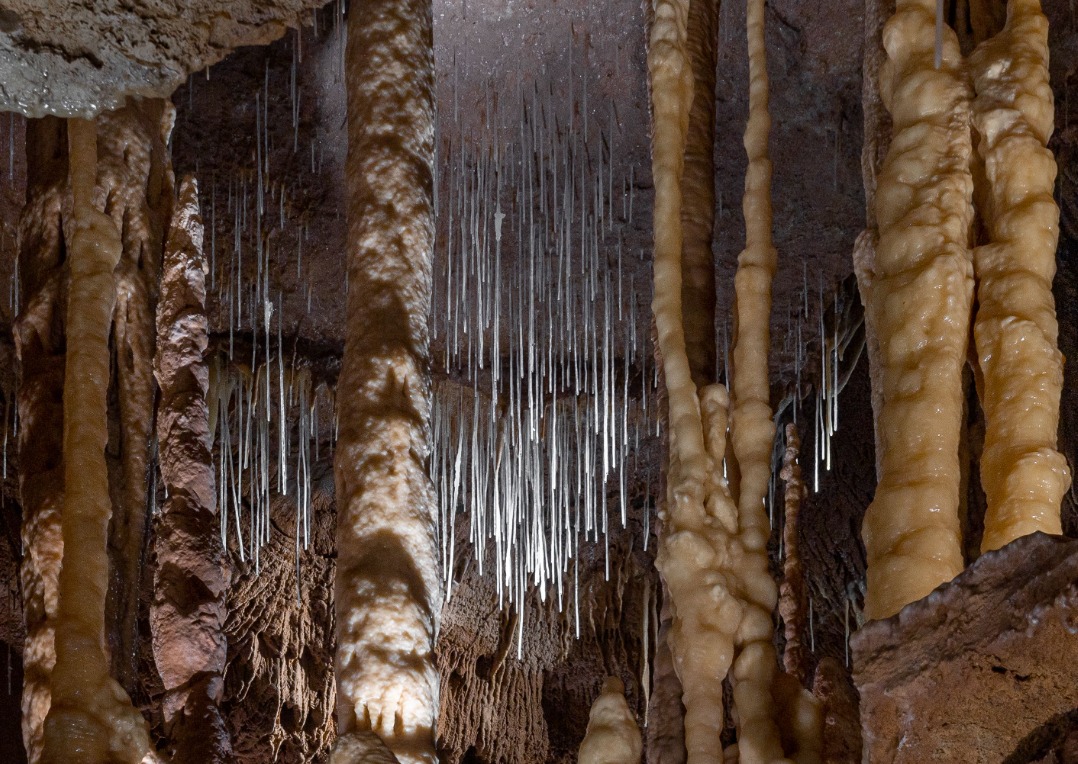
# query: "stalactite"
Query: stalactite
924,211
792,607
90,713
388,592
39,345
612,737
1023,475
191,578
135,174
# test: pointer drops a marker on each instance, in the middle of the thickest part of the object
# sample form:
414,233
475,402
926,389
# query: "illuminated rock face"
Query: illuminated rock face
981,669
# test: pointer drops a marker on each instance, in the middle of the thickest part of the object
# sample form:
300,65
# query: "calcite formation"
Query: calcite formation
612,737
388,588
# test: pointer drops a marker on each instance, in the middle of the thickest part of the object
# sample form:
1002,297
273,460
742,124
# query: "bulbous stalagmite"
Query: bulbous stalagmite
917,289
39,344
1023,475
388,590
90,714
666,715
191,578
612,737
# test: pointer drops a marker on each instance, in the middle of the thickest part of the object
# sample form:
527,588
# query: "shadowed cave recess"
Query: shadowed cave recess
385,374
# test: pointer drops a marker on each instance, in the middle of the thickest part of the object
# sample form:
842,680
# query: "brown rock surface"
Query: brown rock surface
82,57
192,577
839,704
972,672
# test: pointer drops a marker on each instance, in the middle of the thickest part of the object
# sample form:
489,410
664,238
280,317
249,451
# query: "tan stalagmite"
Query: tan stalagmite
1023,475
91,715
388,585
917,290
752,430
699,521
613,736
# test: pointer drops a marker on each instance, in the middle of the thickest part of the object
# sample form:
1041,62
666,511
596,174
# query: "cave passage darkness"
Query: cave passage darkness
524,382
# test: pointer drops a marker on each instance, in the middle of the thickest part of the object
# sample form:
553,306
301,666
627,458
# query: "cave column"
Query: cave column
388,588
1023,474
90,713
917,346
666,736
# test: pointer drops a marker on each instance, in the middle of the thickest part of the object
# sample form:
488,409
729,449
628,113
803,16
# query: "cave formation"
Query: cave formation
672,382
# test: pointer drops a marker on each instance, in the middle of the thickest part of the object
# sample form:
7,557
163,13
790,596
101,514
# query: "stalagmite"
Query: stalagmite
917,288
752,430
700,517
1023,475
612,736
388,589
90,715
188,611
39,344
